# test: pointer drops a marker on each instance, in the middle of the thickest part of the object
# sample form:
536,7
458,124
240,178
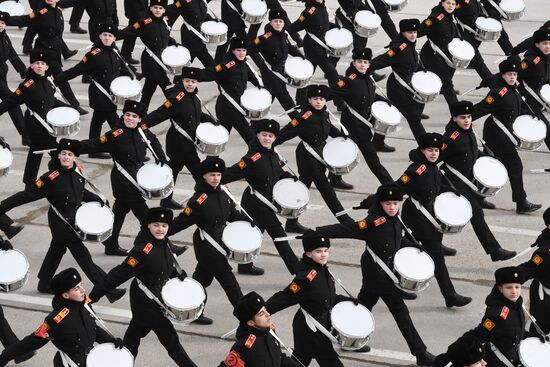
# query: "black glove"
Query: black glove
162,161
6,245
254,224
295,178
309,233
183,275
119,344
354,300
4,144
368,202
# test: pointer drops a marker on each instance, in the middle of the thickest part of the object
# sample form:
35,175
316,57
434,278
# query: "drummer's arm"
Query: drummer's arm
28,344
23,20
489,329
13,100
132,30
155,144
427,27
173,13
340,89
159,115
534,267
90,196
30,194
486,106
299,24
96,145
522,46
355,230
389,58
81,68
236,172
15,60
289,131
186,219
288,297
237,214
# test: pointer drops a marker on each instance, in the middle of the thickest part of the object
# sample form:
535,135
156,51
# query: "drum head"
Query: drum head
124,86
512,6
490,172
529,128
254,7
461,49
394,2
241,236
183,295
452,209
488,24
368,19
298,68
290,194
340,152
107,355
214,28
212,134
533,353
175,56
6,158
256,99
384,112
93,218
338,38
545,93
351,320
426,82
12,8
414,264
62,116
154,176
13,266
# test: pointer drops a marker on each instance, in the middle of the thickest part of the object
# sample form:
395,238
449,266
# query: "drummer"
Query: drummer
313,127
504,103
262,168
183,108
7,337
359,93
492,12
528,42
210,208
150,263
460,152
232,17
68,326
64,188
466,351
382,233
255,345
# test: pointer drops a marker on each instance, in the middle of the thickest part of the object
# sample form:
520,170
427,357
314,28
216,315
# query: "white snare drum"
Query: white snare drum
366,23
185,299
395,5
13,8
341,155
155,180
299,71
351,325
6,160
256,102
462,52
242,240
488,29
545,96
14,270
215,33
210,139
533,353
384,118
125,88
426,85
490,176
452,212
65,122
291,196
107,354
339,41
413,268
530,132
514,9
254,11
175,58
93,222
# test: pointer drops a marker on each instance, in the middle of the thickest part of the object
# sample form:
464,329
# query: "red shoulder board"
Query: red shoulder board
504,312
28,83
230,64
311,275
53,175
43,11
352,76
147,21
455,135
180,96
96,51
402,46
362,224
536,60
42,331
440,16
61,315
250,341
420,170
255,157
311,10
379,221
267,35
117,132
233,359
201,199
537,260
148,247
488,324
306,115
503,91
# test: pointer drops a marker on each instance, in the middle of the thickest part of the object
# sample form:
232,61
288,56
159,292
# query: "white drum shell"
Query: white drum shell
155,180
192,302
530,132
460,207
175,58
385,118
215,33
341,155
287,190
395,5
256,102
514,9
299,71
13,8
64,121
487,29
461,52
488,167
92,211
366,23
339,41
14,270
234,235
533,353
125,88
211,139
106,354
6,160
545,96
351,325
426,85
254,11
417,279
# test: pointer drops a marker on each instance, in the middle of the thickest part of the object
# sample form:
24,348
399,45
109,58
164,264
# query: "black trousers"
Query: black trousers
409,108
231,118
239,31
539,308
477,63
182,153
309,345
65,88
196,47
5,222
15,113
128,43
32,164
76,14
99,117
150,87
7,336
120,209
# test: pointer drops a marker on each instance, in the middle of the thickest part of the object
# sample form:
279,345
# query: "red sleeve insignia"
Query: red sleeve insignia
136,25
294,122
341,83
255,157
42,331
379,221
488,324
405,178
391,53
311,10
103,138
440,17
504,312
420,170
39,183
311,275
233,359
250,341
524,65
242,164
428,22
147,21
43,11
267,35
61,315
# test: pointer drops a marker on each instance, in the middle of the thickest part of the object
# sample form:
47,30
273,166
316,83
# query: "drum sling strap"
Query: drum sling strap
205,236
505,131
125,63
232,101
41,121
157,60
314,154
232,6
501,357
462,177
499,9
357,115
104,91
180,130
194,31
315,326
129,177
542,291
318,41
466,27
289,351
426,213
263,199
154,298
403,83
442,54
383,266
276,73
535,95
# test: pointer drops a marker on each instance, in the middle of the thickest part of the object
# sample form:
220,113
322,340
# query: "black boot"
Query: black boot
81,110
502,254
13,230
99,155
423,116
364,349
69,54
76,29
487,204
170,203
130,60
115,294
203,320
425,359
526,206
378,77
384,148
24,357
250,269
293,226
178,250
448,251
457,300
338,183
114,249
44,288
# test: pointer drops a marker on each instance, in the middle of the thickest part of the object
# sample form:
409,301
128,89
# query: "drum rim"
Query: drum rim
370,14
391,107
240,251
217,127
528,118
214,22
304,63
490,159
463,44
279,183
164,167
464,200
426,72
341,139
96,204
525,342
170,49
512,2
249,90
418,251
103,346
490,20
191,280
63,111
346,334
247,2
339,32
26,261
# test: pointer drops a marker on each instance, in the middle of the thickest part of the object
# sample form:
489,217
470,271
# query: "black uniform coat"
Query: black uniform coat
103,10
535,69
7,52
135,9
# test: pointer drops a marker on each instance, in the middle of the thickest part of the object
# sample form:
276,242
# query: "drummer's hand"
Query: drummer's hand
183,275
119,344
6,245
105,203
162,161
4,144
254,224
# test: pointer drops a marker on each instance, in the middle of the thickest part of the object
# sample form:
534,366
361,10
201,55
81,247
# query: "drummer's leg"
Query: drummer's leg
504,42
448,88
15,113
65,87
509,157
7,336
32,165
139,208
540,309
363,139
132,338
120,209
84,260
481,229
229,283
387,23
478,63
435,250
241,125
329,196
149,88
51,261
164,329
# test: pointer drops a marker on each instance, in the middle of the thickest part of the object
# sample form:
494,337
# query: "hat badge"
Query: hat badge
74,276
515,275
216,165
162,215
322,239
391,193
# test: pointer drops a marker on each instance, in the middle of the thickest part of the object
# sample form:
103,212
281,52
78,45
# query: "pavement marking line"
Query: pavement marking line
518,231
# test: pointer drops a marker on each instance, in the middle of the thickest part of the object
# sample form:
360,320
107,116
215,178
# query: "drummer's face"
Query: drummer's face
157,10
240,53
361,65
512,291
319,255
543,46
66,158
261,320
266,138
158,229
317,102
391,207
51,2
2,25
190,84
431,154
77,293
39,67
481,363
463,121
410,35
277,24
107,38
510,77
131,119
212,178
449,5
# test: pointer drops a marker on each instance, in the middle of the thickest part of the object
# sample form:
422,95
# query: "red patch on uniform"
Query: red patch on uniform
341,83
132,261
117,132
230,64
489,100
148,20
148,248
294,288
420,170
352,76
267,35
537,260
28,83
61,315
440,17
503,91
201,199
455,135
306,115
188,211
311,275
504,312
250,341
53,175
233,359
43,11
488,324
405,178
391,53
255,157
362,224
180,96
311,10
294,122
536,60
428,22
95,52
524,65
42,331
379,221
402,46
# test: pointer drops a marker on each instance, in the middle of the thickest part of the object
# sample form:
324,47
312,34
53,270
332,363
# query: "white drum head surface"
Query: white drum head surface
384,112
184,295
461,49
351,320
124,86
104,355
290,194
488,24
545,93
529,129
62,116
254,7
175,56
153,176
338,38
6,158
12,8
368,19
214,28
490,172
13,266
298,68
414,264
394,2
512,6
241,236
340,152
452,209
533,353
256,99
212,134
426,82
93,218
